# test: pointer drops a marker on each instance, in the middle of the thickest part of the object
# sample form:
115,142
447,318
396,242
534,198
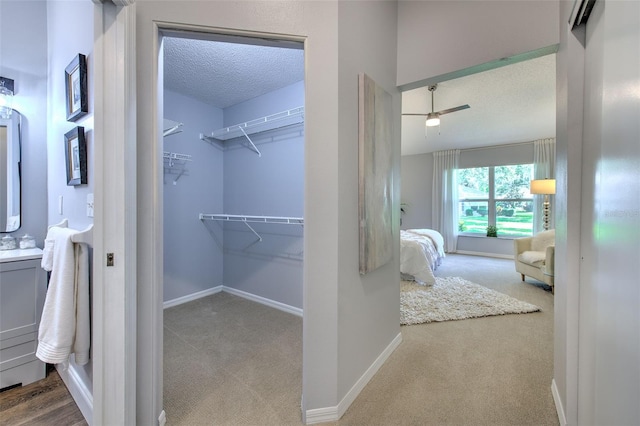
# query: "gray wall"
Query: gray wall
192,248
269,185
417,190
29,71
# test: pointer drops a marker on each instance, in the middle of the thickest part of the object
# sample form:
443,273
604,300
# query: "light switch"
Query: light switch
60,204
90,205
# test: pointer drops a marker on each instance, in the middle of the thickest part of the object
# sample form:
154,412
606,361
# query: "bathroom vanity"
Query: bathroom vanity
22,291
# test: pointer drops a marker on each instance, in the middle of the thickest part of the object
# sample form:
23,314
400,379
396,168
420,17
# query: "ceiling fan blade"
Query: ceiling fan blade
458,108
422,115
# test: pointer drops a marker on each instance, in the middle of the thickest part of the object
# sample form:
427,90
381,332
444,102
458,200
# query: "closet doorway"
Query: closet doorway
233,197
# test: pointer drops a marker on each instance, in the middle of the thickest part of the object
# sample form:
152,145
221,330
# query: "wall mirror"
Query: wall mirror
10,173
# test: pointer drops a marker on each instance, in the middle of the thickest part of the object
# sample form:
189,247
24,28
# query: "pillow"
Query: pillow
542,240
531,257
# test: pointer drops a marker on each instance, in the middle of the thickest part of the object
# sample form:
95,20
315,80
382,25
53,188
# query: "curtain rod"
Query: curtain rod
497,146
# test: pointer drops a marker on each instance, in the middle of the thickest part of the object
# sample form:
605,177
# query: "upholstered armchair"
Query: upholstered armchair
534,256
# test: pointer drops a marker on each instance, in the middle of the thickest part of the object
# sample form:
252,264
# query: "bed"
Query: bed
421,252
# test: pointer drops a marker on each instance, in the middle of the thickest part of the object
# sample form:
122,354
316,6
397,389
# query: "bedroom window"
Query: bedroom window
497,195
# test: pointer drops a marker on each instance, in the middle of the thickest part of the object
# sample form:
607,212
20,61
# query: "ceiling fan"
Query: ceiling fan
433,118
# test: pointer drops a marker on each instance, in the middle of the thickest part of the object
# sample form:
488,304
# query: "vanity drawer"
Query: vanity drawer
17,355
22,291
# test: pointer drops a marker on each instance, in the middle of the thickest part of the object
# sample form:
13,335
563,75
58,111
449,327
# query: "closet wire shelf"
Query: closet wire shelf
174,163
253,219
263,124
173,157
171,127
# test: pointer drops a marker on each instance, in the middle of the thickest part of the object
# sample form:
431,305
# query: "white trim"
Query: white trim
162,419
321,415
483,254
562,419
191,297
78,390
245,295
114,297
263,300
332,414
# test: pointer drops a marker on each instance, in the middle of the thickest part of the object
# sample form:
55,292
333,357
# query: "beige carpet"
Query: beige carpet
228,361
454,298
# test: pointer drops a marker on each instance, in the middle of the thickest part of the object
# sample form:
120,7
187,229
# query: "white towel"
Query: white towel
64,326
47,254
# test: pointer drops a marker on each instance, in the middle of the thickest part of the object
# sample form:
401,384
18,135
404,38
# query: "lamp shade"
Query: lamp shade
543,186
432,119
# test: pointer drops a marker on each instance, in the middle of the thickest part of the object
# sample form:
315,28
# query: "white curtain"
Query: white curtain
544,162
444,208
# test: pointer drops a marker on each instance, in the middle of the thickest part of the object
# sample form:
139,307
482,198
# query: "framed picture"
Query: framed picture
76,88
76,156
375,174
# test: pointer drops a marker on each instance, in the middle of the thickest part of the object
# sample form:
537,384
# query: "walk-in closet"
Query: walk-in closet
233,195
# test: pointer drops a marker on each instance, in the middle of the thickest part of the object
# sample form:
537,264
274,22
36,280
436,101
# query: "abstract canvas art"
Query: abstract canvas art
375,174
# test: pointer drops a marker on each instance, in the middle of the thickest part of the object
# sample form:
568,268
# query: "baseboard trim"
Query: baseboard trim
562,419
191,297
162,418
249,296
263,300
332,414
483,254
82,395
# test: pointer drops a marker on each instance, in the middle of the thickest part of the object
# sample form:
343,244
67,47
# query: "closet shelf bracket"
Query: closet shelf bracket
255,148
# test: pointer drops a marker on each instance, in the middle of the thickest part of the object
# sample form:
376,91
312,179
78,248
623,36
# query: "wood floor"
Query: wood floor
45,402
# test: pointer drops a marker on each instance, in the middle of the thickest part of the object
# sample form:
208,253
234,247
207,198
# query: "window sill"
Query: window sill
499,237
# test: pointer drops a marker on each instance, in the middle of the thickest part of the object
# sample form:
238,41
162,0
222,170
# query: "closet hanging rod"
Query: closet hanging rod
255,219
262,124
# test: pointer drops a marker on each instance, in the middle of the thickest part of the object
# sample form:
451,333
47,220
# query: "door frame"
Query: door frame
155,321
114,287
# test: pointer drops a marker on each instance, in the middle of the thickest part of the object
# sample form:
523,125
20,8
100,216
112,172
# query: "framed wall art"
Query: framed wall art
375,174
76,88
76,156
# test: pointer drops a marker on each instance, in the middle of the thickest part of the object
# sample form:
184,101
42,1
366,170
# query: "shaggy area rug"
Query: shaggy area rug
454,298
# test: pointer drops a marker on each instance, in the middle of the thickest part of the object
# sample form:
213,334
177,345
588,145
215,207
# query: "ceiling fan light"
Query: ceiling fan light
432,120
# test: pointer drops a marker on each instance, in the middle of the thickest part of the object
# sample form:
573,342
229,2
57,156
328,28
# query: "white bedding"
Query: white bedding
435,236
421,251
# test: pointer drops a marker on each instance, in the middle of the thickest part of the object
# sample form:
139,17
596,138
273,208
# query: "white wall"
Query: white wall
331,256
369,305
24,59
192,249
453,38
569,118
609,333
63,46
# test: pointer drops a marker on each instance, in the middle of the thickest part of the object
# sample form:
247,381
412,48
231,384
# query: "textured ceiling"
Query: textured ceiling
514,103
224,74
